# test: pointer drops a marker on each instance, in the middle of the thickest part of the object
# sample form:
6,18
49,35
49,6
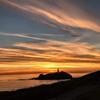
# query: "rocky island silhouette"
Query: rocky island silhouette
54,76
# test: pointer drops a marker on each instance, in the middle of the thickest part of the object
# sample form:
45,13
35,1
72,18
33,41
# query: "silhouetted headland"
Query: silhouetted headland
83,88
54,76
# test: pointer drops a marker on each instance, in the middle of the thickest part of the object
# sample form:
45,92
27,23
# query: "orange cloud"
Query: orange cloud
32,57
51,51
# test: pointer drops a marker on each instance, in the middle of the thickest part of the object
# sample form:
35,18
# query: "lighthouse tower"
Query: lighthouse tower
58,70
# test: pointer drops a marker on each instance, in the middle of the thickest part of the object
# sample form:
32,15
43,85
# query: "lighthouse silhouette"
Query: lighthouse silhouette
58,70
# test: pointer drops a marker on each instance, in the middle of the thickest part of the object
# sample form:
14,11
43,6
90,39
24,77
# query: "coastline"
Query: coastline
74,89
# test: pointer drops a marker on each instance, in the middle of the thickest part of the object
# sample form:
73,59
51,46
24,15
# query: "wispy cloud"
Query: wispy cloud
50,52
64,13
20,36
32,57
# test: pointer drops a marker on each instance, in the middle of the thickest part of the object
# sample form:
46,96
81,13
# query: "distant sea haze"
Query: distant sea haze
14,82
16,77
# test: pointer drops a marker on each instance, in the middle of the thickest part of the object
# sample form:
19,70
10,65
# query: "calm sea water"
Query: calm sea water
13,82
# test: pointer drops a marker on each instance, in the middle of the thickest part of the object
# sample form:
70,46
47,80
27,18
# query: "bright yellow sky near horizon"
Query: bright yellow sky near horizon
45,67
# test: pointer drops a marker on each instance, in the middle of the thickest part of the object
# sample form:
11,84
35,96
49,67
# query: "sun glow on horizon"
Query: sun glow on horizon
45,67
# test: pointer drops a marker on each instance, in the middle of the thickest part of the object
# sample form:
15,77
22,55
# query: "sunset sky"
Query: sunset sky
43,35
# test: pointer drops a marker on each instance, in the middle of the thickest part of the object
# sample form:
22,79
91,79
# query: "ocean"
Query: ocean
15,82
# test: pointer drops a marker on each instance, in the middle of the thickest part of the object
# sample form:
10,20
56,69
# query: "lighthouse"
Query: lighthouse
58,70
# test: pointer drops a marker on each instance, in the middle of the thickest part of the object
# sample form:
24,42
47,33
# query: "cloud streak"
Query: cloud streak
20,36
50,52
72,57
67,15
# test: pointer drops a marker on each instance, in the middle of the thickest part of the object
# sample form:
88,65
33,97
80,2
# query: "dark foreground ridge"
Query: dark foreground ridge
54,76
89,86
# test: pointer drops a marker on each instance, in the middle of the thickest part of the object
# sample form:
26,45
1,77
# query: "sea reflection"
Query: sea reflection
13,82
